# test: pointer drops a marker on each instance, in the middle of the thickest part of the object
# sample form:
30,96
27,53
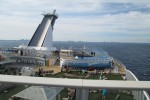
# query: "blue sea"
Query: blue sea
136,56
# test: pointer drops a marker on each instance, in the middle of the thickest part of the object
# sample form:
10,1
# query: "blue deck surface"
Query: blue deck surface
100,61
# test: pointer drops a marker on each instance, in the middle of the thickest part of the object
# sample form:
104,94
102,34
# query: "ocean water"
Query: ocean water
136,56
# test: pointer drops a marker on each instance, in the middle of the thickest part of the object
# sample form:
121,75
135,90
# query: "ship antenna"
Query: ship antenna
54,11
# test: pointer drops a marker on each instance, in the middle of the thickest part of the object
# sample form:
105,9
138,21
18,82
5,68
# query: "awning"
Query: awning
39,93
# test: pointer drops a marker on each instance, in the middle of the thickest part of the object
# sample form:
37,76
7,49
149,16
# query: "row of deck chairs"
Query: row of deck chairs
43,73
47,72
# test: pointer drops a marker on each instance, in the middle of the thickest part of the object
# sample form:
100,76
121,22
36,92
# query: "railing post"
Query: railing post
78,94
82,94
138,95
133,93
142,97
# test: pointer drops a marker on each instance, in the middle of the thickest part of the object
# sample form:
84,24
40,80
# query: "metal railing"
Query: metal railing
138,95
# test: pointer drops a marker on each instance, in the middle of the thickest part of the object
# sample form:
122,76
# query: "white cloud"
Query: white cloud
19,18
105,23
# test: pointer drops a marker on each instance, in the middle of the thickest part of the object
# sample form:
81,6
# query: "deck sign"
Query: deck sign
29,60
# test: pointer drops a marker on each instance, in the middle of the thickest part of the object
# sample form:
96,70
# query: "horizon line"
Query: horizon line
78,41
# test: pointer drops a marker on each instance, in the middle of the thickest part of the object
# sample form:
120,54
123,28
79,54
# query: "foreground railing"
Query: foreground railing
76,83
138,95
82,84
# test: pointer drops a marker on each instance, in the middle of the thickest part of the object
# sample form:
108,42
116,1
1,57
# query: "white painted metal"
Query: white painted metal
48,41
43,35
138,95
146,96
140,85
77,83
39,35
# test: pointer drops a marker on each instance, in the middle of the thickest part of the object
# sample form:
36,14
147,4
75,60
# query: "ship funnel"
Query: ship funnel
43,35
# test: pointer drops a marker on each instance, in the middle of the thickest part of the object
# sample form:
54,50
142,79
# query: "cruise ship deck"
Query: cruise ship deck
39,72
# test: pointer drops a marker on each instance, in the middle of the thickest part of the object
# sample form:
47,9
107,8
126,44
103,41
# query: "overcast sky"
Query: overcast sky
79,20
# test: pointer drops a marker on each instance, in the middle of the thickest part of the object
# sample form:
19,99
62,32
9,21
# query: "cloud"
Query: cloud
100,19
106,23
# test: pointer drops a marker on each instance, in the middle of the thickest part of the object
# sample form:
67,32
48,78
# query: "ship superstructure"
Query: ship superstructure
39,51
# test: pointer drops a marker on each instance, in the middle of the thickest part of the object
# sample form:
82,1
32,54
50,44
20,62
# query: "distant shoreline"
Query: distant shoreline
26,40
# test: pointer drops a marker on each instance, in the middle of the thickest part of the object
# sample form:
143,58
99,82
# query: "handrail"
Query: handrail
130,76
76,83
